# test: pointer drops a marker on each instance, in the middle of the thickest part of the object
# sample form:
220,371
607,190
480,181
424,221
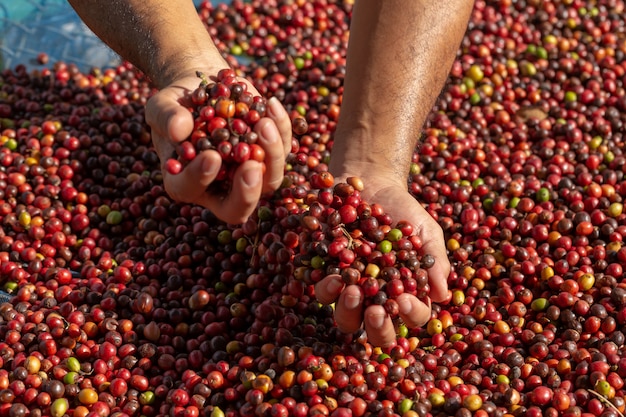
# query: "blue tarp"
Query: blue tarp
29,27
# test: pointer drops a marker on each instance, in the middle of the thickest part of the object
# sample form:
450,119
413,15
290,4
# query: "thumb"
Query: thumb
168,118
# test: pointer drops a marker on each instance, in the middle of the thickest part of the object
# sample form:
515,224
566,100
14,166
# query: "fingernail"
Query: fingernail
405,306
352,301
269,133
334,286
208,168
252,177
377,320
274,107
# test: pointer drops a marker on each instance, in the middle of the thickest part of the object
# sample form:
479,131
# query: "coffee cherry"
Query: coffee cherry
299,126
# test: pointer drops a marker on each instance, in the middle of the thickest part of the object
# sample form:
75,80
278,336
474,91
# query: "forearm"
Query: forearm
163,38
399,56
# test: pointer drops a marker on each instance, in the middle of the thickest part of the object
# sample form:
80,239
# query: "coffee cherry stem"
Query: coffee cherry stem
605,401
348,236
204,81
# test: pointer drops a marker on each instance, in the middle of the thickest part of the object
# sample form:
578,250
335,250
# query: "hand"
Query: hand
171,123
349,312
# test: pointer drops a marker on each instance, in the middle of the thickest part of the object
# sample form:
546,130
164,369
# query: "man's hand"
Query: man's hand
171,122
349,312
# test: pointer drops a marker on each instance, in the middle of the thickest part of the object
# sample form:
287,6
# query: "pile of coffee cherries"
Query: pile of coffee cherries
127,303
224,115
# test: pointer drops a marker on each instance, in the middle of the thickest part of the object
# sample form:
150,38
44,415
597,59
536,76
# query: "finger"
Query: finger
379,327
329,289
413,312
191,183
438,273
167,118
279,115
241,201
269,139
438,279
349,309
